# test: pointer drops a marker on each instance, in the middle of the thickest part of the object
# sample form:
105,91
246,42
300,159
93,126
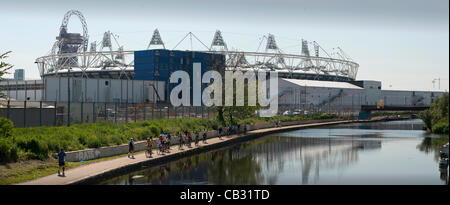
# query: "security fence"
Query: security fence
44,113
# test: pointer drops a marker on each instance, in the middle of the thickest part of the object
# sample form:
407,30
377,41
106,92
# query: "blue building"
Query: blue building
19,74
159,64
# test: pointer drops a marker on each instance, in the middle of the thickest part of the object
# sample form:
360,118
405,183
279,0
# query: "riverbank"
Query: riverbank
105,169
436,117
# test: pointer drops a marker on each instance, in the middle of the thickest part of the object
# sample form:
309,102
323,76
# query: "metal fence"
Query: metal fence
50,113
44,113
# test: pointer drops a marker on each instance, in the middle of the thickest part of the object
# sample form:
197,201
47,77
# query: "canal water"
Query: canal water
396,152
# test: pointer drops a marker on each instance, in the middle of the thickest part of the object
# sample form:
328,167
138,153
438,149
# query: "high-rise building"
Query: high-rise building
19,74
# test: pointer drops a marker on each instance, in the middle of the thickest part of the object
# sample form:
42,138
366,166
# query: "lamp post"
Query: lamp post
156,100
68,96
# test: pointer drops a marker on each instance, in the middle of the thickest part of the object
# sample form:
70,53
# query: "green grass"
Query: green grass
38,143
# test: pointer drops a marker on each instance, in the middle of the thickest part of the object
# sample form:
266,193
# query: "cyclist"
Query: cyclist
161,144
169,137
181,142
166,143
149,146
189,139
196,138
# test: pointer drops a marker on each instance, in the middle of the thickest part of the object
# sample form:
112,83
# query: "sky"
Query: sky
403,43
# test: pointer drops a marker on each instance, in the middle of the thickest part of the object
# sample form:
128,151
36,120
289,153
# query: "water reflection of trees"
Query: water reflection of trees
258,162
433,144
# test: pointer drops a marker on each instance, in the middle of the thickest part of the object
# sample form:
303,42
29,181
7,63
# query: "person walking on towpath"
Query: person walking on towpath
189,138
220,133
131,148
204,135
169,137
61,162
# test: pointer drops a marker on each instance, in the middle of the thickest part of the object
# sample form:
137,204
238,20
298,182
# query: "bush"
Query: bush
6,127
8,152
93,142
440,128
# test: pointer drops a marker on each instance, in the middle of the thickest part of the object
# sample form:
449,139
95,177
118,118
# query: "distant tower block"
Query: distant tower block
218,42
271,44
156,40
305,49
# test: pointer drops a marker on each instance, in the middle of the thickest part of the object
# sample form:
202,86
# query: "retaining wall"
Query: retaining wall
89,154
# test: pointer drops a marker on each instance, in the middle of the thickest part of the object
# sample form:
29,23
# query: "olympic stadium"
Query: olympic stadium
81,69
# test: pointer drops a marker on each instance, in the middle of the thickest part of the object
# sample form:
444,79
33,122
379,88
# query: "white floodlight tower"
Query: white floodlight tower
316,49
218,42
106,42
307,64
272,47
305,49
156,40
271,43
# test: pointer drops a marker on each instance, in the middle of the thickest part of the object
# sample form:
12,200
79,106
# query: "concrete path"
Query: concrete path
90,170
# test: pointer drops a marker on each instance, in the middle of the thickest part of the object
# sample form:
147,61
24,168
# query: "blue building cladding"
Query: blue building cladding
159,64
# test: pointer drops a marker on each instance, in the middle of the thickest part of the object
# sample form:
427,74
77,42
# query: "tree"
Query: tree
4,67
232,114
436,117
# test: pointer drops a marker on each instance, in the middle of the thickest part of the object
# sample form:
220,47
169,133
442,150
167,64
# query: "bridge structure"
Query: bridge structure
366,110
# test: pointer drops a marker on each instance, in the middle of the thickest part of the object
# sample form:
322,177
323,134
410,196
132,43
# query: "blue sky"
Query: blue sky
403,43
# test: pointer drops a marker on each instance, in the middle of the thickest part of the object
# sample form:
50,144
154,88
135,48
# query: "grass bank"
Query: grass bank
37,143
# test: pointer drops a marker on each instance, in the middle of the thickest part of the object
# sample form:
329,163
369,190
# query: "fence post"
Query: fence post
126,111
94,117
7,109
25,113
135,112
54,119
168,111
115,112
81,114
68,113
40,113
106,113
145,112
